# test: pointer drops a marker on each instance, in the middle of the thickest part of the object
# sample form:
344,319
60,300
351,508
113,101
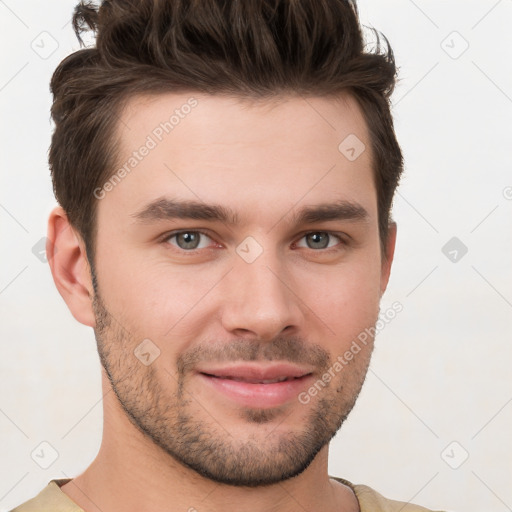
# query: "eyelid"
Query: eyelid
342,237
171,234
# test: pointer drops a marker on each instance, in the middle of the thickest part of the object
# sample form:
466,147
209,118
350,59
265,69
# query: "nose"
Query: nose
258,299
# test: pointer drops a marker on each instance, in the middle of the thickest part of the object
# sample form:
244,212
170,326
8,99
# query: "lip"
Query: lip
256,371
250,390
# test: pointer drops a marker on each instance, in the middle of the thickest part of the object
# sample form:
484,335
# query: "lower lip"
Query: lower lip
258,395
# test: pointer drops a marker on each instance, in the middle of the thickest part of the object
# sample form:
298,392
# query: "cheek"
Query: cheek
346,306
345,293
157,300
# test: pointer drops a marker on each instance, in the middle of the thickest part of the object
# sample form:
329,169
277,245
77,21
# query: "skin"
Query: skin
297,302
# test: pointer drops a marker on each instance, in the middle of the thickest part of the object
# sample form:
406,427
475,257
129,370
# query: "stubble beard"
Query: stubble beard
199,440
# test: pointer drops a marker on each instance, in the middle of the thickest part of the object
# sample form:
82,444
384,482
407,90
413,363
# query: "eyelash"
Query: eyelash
342,240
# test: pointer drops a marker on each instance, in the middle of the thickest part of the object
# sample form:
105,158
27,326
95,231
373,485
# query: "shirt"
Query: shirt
53,499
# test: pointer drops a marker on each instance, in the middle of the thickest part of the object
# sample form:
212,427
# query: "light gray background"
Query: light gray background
441,369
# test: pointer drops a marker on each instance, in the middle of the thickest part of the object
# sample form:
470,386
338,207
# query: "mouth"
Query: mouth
253,381
255,385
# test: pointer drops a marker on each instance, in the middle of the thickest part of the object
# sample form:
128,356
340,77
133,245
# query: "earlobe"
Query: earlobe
70,269
387,259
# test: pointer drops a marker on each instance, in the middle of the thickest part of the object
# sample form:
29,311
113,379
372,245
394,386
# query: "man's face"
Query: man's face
215,283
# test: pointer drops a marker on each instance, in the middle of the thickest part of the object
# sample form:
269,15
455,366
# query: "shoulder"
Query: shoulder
50,499
371,501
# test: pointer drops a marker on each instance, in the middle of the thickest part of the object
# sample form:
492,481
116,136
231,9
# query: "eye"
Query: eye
189,240
320,240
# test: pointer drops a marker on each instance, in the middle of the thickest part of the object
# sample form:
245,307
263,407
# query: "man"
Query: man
225,173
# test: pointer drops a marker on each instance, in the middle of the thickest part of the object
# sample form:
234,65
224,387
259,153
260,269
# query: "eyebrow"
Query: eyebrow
170,209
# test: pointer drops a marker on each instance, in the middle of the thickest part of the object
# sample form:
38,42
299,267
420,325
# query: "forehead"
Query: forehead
242,151
235,120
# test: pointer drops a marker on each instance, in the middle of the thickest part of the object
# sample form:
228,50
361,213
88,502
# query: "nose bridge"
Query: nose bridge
258,296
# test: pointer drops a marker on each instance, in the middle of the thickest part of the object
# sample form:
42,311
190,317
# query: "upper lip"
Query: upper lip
256,372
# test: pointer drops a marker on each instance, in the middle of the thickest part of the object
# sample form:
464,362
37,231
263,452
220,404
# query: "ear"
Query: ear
387,258
65,251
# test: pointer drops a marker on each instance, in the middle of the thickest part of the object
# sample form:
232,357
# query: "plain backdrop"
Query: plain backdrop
431,423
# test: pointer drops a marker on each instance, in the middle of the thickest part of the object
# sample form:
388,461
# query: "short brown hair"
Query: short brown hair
253,49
